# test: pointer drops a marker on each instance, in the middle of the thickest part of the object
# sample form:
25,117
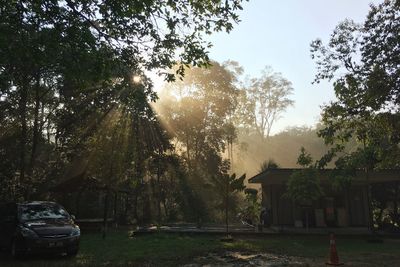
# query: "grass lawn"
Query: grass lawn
173,249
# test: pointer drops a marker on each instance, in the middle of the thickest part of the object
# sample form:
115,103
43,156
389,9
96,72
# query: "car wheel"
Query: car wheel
16,253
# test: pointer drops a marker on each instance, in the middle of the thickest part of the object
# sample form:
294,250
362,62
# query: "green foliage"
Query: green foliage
304,185
264,100
224,182
270,164
197,111
67,90
304,159
386,206
194,206
197,114
363,62
251,206
341,178
227,186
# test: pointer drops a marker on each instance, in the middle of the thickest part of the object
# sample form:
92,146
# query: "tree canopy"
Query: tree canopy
363,61
304,185
362,126
264,101
66,66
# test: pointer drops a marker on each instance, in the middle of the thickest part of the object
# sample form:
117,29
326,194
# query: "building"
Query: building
346,207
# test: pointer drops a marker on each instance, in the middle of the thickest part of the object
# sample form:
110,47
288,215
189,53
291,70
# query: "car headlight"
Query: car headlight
26,232
75,232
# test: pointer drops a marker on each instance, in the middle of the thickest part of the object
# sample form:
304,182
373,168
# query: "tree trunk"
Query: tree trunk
105,214
226,218
369,200
115,207
307,220
35,136
127,207
158,188
227,204
166,211
48,127
138,171
188,153
396,217
135,204
78,200
35,124
41,118
23,138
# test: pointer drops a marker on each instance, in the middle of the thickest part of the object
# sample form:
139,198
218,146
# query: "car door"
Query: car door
8,222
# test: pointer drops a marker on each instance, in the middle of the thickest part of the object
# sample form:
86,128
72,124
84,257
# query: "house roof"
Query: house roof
76,178
72,184
281,175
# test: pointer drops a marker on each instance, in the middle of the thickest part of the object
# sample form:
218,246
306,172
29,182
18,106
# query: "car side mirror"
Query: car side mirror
73,217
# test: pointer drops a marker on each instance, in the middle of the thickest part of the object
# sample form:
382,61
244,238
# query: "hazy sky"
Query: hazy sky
278,33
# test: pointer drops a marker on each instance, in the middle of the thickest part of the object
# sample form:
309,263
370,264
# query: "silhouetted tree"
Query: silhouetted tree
65,65
269,97
227,185
304,185
363,61
270,164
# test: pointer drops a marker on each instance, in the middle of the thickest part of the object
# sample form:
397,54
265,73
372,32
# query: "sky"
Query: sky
278,33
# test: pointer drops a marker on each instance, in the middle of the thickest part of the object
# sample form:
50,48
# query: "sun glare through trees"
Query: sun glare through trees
199,133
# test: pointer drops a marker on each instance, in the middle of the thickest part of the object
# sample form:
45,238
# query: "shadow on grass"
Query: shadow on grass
161,249
118,249
38,260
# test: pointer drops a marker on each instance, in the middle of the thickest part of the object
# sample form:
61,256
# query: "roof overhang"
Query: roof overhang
280,176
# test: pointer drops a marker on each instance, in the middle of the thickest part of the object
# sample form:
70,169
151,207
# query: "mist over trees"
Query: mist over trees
282,148
186,108
77,121
197,113
80,120
74,96
212,117
267,99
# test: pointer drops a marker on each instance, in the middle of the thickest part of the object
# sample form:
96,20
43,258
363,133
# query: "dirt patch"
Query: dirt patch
239,259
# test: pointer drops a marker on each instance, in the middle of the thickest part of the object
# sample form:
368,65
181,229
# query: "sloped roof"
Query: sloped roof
281,175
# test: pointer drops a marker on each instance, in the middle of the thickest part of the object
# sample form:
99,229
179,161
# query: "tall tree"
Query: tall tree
304,185
198,111
269,97
74,59
227,185
363,61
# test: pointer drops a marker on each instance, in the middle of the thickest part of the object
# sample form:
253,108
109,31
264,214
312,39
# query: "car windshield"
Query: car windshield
42,211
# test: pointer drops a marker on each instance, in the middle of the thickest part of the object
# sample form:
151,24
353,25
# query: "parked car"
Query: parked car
38,227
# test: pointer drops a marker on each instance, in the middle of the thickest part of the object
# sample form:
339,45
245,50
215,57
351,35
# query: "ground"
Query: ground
161,249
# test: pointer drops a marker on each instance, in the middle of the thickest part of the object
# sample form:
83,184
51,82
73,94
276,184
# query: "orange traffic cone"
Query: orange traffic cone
333,255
